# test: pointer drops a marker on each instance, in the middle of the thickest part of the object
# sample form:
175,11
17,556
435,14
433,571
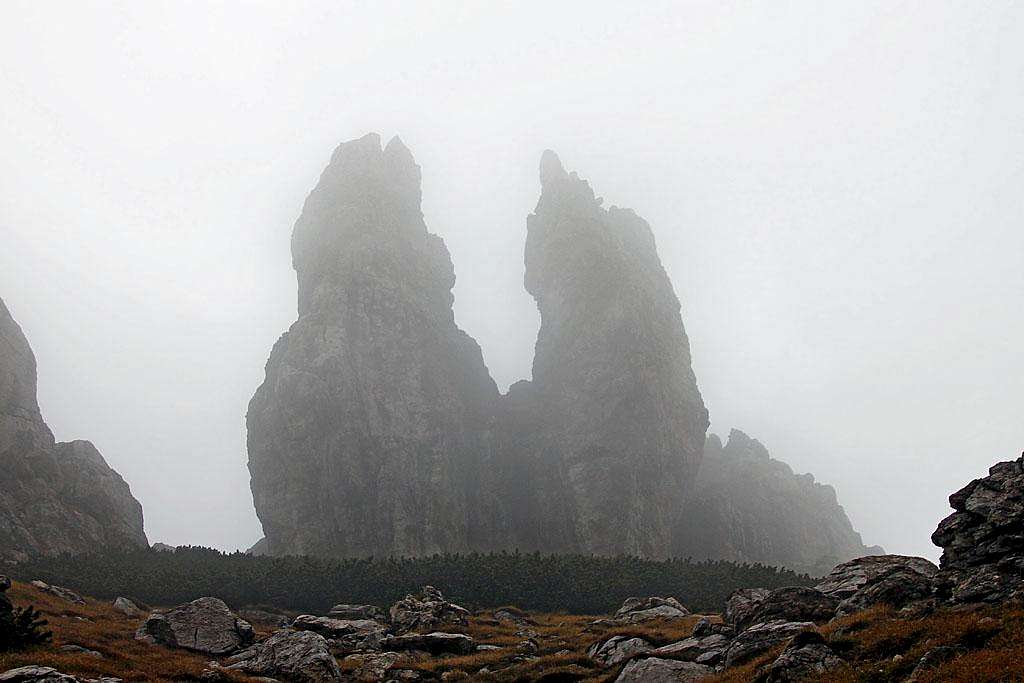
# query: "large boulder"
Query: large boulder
204,625
658,670
297,656
54,497
636,610
761,637
426,611
436,643
742,603
617,649
982,544
806,656
791,603
848,578
35,674
335,628
707,649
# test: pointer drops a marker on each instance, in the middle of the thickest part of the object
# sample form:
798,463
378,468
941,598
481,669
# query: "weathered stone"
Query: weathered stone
746,506
335,628
426,611
299,656
204,625
435,643
511,615
982,544
127,608
617,649
760,637
656,670
742,603
806,656
707,649
849,578
636,610
373,667
60,592
792,603
78,649
934,658
35,674
358,612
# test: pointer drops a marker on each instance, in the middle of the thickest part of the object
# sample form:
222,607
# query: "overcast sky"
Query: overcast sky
837,191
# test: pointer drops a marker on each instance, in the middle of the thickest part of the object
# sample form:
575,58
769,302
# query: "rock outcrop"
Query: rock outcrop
54,497
893,580
379,431
366,436
748,507
982,544
299,656
204,625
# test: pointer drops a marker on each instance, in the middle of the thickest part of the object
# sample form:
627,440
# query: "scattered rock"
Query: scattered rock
806,656
60,592
791,603
35,674
358,612
204,625
982,545
514,616
127,608
299,656
760,637
435,643
617,649
636,610
656,670
426,611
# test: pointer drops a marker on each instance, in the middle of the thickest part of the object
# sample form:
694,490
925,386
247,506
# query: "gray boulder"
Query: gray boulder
127,608
335,628
617,649
426,611
297,656
636,610
791,603
806,656
895,580
742,603
205,625
657,670
707,649
35,674
761,637
435,643
355,612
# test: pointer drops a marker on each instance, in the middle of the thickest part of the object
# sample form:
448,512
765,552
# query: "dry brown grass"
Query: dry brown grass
98,626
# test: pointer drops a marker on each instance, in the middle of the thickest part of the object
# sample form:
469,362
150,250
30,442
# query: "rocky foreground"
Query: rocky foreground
884,617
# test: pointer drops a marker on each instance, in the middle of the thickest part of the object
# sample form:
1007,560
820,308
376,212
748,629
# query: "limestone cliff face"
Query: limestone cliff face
748,507
620,418
368,435
54,497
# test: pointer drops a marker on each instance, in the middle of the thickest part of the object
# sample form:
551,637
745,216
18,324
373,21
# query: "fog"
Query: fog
836,193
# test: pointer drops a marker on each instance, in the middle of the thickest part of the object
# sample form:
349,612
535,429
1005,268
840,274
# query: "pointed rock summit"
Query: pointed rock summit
54,497
365,437
378,430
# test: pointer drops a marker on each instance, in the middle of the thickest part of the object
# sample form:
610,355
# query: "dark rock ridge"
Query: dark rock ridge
748,507
379,431
982,544
54,497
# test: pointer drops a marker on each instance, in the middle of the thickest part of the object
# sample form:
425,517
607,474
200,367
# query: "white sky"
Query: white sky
837,190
